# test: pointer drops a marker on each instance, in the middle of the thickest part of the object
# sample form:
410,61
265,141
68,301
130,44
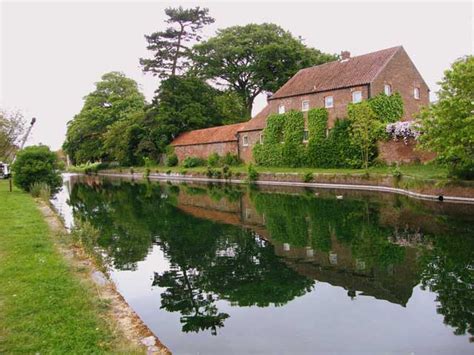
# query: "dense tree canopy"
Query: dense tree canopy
254,58
171,49
115,98
186,103
12,125
448,125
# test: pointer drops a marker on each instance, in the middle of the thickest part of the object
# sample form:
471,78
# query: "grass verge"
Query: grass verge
420,171
44,306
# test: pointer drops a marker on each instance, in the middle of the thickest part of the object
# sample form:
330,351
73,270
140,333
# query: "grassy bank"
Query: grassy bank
45,307
428,171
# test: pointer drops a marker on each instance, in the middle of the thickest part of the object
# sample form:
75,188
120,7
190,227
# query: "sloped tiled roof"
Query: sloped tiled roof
259,121
209,135
354,71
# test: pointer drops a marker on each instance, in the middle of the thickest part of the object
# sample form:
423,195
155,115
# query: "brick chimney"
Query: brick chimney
345,55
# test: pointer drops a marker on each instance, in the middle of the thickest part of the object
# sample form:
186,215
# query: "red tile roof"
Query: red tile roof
209,135
355,71
259,121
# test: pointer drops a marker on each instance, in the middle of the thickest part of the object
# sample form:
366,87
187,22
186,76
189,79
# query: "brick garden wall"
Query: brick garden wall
204,150
398,152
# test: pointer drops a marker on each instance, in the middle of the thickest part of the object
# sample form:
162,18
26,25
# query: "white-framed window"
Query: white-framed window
305,105
356,96
416,93
281,109
387,89
328,102
260,138
305,135
245,141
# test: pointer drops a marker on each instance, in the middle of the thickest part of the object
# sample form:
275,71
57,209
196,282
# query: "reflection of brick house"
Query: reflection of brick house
331,85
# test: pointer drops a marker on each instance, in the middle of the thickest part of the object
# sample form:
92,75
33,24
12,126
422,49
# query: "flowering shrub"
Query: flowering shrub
403,130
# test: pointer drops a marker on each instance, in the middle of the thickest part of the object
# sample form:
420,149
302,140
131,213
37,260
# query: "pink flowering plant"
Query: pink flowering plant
403,130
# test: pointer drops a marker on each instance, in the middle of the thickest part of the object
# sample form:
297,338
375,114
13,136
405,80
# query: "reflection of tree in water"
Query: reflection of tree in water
212,261
124,214
448,270
209,261
182,294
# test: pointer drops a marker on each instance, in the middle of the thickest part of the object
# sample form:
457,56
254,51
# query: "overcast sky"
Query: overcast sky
52,53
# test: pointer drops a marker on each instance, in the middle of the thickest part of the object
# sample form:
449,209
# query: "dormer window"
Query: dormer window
328,102
416,93
305,105
356,96
387,89
281,109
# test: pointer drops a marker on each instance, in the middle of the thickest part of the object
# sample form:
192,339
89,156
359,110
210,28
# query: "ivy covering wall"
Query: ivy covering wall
283,142
283,137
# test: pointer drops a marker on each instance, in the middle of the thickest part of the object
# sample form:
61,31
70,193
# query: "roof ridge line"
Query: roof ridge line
386,62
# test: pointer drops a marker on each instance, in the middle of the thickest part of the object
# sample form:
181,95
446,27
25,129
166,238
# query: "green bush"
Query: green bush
252,174
192,162
37,164
226,172
213,160
308,177
210,172
231,160
171,160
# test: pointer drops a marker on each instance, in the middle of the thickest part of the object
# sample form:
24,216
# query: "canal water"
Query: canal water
215,269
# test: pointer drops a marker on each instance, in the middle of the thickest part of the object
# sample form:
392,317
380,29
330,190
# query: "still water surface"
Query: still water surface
232,270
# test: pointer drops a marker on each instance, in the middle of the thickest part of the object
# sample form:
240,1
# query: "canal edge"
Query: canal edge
395,190
125,318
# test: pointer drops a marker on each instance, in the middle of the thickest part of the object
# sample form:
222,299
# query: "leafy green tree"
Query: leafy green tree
37,164
129,141
115,98
186,103
254,58
365,128
12,126
171,47
448,125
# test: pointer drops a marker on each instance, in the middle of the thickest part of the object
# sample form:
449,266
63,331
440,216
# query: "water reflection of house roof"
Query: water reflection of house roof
377,284
369,285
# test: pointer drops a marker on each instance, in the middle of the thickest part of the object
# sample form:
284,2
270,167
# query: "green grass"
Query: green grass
44,306
419,171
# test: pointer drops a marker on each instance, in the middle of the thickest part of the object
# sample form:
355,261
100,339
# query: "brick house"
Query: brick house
331,85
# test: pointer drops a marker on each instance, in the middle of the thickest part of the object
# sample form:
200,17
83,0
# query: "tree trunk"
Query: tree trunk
176,55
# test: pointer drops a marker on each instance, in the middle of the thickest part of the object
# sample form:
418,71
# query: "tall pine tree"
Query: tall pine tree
171,53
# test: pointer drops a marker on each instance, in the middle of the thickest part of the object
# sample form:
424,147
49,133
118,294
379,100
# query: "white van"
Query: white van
4,170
